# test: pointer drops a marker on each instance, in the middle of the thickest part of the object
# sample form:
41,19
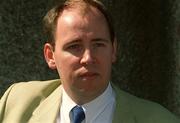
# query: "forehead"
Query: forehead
73,23
77,15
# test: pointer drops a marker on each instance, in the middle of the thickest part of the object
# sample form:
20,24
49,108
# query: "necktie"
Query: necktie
77,114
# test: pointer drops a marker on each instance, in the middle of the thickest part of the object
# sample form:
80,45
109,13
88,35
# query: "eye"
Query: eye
99,44
74,47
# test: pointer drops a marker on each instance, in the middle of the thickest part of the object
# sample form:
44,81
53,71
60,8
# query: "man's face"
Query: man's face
83,53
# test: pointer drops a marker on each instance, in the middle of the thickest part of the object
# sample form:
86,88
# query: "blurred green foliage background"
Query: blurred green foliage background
148,32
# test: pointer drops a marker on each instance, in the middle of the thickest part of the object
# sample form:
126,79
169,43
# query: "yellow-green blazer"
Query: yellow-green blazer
39,102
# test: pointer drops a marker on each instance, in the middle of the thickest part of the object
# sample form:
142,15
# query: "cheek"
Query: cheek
105,63
105,58
66,64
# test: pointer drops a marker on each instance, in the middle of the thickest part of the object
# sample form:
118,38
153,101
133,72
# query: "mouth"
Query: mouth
88,76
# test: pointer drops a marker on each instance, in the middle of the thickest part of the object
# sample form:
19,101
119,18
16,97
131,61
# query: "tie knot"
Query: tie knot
78,114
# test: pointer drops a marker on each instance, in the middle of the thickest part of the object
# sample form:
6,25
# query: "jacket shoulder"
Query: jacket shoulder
22,98
144,111
33,88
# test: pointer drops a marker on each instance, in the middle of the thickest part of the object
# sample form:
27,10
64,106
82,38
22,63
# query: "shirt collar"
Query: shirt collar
99,103
67,105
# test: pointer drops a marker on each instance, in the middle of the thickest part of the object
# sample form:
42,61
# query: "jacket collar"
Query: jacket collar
48,110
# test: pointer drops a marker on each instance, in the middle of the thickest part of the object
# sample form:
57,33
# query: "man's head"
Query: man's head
83,50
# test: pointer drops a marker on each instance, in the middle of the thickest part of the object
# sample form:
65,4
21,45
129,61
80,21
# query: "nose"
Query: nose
88,57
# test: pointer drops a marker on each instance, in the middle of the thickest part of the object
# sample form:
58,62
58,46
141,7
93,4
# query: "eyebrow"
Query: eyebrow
101,39
93,40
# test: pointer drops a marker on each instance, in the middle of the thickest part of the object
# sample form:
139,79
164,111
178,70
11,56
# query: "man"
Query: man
82,47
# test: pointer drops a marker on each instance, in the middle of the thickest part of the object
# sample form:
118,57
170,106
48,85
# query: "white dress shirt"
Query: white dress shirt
99,110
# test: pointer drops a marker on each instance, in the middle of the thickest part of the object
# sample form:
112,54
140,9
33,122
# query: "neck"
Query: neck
81,98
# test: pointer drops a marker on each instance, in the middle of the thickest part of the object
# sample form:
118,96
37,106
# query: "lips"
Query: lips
88,75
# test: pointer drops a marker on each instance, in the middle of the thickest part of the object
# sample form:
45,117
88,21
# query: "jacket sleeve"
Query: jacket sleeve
3,103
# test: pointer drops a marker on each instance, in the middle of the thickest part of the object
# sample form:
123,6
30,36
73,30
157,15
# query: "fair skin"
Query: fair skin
83,54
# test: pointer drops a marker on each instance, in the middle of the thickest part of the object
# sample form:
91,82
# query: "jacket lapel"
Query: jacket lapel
48,110
123,113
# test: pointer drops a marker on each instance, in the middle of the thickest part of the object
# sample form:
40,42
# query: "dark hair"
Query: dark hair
50,19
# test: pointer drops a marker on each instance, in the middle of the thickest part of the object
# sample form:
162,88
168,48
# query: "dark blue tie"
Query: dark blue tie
77,114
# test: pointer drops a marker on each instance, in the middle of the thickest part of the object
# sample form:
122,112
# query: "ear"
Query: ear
49,55
114,51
